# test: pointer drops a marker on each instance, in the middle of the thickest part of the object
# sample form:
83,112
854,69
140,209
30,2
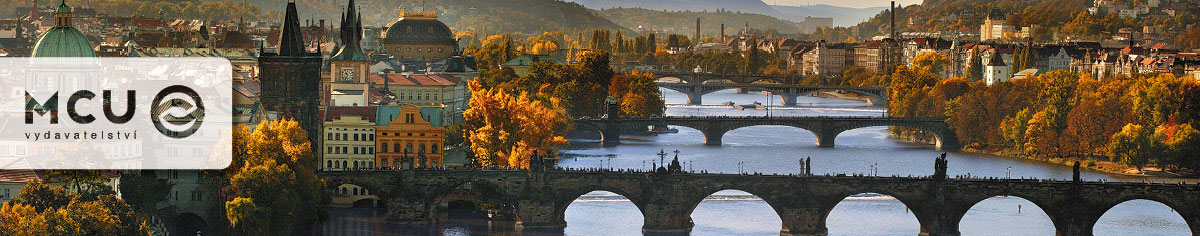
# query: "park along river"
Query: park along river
777,150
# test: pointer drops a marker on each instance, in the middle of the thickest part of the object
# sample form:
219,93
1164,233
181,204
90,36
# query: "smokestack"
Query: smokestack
697,38
893,22
722,33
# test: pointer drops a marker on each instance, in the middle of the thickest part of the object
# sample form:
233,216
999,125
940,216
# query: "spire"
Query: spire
291,40
351,36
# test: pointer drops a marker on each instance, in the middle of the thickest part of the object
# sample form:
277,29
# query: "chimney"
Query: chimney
697,38
722,33
893,22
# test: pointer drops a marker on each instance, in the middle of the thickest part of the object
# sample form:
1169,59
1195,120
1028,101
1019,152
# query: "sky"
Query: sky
843,3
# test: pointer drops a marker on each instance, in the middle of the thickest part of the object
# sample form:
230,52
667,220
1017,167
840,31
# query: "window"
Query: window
433,149
355,137
328,136
197,196
328,164
383,147
370,150
355,150
328,149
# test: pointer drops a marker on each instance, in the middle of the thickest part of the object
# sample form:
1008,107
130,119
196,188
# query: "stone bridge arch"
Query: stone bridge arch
1180,205
471,190
874,98
945,137
564,198
975,200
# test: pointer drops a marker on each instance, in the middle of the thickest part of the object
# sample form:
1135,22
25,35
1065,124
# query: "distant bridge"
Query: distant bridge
696,85
714,128
666,201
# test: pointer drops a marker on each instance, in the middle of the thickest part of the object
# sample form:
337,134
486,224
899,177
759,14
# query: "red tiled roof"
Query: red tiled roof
21,176
400,79
335,112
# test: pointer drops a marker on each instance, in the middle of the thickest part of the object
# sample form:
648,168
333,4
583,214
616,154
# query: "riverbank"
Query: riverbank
1095,165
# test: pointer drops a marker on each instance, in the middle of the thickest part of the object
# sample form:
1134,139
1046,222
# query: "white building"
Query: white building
996,72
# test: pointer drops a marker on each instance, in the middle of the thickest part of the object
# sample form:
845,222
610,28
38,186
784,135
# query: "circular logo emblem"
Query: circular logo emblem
160,111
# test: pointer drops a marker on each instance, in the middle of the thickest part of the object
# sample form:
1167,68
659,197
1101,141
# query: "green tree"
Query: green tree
1135,145
975,67
1184,148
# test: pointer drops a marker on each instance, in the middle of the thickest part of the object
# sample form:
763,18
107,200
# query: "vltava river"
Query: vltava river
776,149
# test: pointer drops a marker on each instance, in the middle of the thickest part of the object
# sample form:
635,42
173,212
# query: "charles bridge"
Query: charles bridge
696,85
826,129
538,199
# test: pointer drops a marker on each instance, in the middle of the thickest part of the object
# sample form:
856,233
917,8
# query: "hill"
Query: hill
1058,19
842,16
490,16
684,22
744,6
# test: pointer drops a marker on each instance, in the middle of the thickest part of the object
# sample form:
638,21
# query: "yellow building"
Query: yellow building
349,139
409,137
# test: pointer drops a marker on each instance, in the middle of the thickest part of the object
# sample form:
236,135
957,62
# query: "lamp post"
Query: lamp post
1007,172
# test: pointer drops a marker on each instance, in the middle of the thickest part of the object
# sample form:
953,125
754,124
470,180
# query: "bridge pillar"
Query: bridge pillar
666,219
947,141
610,135
408,210
803,221
789,100
693,99
741,90
712,136
943,224
534,214
1074,218
826,136
876,101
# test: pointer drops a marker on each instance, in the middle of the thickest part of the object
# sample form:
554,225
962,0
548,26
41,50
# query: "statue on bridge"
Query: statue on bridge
806,166
939,167
1075,173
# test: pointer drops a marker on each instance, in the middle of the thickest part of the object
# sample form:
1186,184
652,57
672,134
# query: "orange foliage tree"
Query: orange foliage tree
506,130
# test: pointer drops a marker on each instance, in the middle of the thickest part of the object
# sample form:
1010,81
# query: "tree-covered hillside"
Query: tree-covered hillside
684,22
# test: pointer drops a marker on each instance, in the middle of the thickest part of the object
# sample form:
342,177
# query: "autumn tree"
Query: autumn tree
42,209
274,171
1184,147
506,130
638,94
1135,145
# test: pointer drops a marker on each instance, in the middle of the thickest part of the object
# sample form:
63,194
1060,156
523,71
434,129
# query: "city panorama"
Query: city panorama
601,117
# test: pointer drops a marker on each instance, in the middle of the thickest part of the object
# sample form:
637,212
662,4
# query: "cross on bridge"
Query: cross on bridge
714,128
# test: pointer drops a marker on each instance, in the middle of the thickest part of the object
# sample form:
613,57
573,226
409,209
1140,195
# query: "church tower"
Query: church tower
291,77
348,67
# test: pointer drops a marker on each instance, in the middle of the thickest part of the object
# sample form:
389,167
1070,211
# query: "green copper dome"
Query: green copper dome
63,40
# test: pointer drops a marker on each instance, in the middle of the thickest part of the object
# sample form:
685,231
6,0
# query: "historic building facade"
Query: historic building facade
349,138
409,137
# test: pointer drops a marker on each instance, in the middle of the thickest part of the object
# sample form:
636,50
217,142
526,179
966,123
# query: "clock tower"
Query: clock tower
348,68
